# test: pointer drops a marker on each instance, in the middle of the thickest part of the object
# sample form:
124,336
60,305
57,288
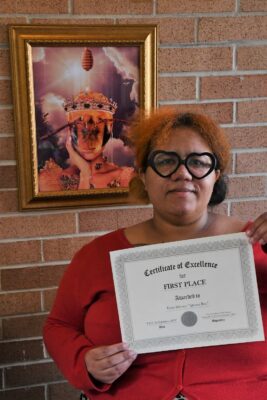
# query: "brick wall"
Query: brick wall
212,58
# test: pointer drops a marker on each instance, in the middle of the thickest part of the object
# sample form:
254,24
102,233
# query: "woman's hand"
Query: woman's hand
257,231
80,163
108,363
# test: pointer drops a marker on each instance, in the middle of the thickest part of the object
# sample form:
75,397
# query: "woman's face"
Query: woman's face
180,194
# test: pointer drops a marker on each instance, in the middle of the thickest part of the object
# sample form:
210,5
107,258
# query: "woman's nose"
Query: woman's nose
181,173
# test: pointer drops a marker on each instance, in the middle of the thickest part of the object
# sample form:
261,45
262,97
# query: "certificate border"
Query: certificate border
206,338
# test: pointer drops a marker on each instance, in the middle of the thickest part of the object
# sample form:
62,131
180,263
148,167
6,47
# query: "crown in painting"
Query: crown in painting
90,101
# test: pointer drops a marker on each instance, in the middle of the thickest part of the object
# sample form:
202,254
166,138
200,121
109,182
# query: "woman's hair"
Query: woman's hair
154,129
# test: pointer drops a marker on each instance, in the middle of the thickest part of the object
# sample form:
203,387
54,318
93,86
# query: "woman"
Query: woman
182,160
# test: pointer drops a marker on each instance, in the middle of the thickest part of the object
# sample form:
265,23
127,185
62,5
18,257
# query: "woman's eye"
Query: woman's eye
165,161
198,163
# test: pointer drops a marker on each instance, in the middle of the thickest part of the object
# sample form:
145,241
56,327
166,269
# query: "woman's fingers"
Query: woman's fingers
257,231
118,365
108,363
106,351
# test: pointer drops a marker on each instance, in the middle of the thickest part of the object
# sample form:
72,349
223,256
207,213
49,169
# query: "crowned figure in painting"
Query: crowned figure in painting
90,117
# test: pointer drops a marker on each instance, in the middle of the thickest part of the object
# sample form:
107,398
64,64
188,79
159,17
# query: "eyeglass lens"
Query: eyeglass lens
198,165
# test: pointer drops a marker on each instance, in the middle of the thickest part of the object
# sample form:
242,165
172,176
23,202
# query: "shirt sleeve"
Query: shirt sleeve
260,258
64,328
264,248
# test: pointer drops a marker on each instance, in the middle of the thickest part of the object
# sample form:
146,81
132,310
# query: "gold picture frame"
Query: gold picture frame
75,91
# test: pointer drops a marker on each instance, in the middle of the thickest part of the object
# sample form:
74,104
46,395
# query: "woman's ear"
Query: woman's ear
217,174
142,177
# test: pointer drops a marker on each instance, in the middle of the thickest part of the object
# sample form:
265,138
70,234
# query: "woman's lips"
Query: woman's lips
181,192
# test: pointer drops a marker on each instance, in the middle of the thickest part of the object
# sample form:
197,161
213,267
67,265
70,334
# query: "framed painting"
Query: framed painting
76,90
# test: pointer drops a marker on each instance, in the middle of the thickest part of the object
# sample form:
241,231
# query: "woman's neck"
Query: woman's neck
158,230
165,231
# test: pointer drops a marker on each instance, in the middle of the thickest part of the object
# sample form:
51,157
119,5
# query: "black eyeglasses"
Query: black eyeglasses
165,163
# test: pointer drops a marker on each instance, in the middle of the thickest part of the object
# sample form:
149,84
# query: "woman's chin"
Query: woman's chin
89,155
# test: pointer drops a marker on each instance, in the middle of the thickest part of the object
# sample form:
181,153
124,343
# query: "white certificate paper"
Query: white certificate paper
185,294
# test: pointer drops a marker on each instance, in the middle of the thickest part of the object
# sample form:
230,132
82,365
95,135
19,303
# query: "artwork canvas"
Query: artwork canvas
76,92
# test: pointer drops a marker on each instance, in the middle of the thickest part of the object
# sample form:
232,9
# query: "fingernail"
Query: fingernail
248,232
132,354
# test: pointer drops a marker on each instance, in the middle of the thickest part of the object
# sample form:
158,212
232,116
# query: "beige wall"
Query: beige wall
212,58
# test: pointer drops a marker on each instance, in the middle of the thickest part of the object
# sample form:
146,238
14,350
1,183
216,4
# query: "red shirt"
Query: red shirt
85,315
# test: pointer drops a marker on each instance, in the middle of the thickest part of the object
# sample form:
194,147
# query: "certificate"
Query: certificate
191,293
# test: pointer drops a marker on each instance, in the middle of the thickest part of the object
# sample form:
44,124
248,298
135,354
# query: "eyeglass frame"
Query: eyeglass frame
150,162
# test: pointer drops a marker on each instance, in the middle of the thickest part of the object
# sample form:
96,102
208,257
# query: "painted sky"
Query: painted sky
59,76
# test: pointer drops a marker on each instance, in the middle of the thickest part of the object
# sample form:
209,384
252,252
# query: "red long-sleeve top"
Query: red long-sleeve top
85,315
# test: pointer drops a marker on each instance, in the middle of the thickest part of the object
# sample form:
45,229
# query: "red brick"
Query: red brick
4,62
247,137
31,277
30,393
31,374
5,92
36,7
220,209
253,5
63,249
19,303
251,163
248,210
22,351
195,59
62,391
251,58
8,178
98,220
223,87
133,216
194,6
23,327
170,30
6,121
35,226
221,112
177,88
20,252
247,187
218,29
49,297
9,201
113,7
229,168
252,111
7,148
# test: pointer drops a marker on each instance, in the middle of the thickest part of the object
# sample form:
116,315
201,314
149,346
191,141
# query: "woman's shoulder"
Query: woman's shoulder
92,257
114,240
224,224
138,234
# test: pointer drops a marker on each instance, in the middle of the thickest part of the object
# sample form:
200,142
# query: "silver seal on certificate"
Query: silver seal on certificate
191,293
189,318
